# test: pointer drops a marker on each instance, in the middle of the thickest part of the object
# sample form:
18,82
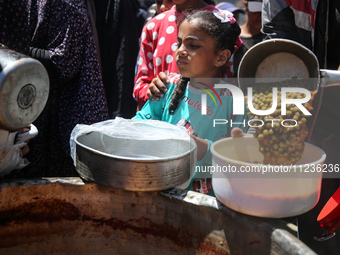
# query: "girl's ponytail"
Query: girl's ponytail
178,94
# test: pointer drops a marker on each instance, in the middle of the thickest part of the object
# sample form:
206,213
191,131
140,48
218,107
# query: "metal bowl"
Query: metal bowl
287,68
132,164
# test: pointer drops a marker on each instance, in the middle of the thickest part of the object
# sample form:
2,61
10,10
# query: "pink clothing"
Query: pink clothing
157,49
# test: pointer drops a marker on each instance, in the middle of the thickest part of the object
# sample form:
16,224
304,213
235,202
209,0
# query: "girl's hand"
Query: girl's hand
157,87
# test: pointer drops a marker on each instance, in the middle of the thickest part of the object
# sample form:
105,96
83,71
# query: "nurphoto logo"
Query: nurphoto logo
239,99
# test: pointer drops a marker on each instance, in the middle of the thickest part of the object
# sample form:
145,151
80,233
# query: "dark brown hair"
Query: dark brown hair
212,2
225,35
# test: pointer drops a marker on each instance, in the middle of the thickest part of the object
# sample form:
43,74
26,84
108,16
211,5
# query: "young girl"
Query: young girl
206,41
158,40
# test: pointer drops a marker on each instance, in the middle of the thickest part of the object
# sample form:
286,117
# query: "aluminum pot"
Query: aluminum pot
132,164
24,88
283,58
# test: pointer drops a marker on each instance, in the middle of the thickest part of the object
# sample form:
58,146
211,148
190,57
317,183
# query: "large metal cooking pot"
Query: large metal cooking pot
68,217
132,164
24,88
282,58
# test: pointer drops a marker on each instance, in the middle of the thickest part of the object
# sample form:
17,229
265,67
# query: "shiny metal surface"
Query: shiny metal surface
256,54
132,164
24,89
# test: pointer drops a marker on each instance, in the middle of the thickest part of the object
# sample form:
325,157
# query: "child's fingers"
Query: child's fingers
151,95
164,78
154,92
161,82
156,89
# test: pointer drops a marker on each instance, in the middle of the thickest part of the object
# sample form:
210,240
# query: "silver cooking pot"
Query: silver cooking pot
24,88
282,58
133,164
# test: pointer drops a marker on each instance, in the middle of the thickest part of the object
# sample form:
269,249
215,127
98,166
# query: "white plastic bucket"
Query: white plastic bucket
243,185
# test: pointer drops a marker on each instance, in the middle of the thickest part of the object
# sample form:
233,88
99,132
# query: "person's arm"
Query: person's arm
153,109
202,146
278,20
145,72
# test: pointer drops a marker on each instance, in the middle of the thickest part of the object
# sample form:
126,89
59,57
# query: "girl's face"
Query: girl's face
196,55
163,5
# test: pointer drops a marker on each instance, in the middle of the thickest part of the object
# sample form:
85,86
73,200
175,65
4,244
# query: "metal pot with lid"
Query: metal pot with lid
283,59
24,89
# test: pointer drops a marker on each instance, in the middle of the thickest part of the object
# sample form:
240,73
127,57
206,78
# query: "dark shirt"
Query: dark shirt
328,120
248,42
63,31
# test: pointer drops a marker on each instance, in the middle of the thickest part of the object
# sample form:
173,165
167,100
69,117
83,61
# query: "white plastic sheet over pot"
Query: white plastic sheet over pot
131,128
146,149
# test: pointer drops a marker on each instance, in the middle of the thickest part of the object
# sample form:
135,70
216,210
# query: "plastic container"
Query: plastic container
246,186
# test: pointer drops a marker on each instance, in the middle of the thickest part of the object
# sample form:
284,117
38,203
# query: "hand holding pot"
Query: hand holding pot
13,147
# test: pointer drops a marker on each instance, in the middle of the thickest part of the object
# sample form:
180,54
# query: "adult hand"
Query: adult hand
237,132
25,149
24,130
157,87
24,135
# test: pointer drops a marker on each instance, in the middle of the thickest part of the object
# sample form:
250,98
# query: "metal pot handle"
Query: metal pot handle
329,78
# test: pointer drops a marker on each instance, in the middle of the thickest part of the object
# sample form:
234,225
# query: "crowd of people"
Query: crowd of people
145,60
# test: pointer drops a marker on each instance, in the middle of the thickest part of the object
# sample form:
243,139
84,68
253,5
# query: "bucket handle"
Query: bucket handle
325,236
